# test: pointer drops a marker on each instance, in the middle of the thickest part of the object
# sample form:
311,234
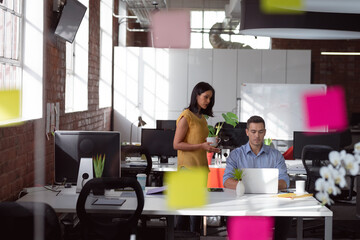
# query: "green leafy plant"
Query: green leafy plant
238,174
99,162
229,117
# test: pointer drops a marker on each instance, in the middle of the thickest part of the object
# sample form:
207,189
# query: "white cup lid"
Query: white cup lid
141,175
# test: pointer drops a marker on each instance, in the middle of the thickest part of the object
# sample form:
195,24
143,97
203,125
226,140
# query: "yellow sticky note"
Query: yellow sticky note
9,104
282,6
186,188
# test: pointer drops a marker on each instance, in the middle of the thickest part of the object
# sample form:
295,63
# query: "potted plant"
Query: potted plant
238,175
98,162
230,118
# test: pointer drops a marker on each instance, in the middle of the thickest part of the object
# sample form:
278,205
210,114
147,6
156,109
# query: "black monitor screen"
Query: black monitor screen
158,142
166,124
233,137
70,19
71,146
302,139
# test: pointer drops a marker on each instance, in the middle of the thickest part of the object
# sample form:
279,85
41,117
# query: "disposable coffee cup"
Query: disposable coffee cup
300,186
141,178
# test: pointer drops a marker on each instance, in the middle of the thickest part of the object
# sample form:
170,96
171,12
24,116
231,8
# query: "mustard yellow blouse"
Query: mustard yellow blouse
197,133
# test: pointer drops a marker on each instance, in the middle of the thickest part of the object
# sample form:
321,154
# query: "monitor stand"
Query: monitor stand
85,173
164,159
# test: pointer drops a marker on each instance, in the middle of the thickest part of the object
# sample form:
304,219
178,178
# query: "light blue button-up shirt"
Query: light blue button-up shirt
244,157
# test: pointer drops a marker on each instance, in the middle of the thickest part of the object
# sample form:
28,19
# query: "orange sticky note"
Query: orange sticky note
186,188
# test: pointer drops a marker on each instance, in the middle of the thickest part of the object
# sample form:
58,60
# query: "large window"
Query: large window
10,25
21,55
203,21
77,58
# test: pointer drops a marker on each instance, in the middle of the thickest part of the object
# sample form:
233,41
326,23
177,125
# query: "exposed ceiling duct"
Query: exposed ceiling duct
143,8
217,42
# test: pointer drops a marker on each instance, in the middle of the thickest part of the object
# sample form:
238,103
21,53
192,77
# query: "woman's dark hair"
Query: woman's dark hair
200,88
255,119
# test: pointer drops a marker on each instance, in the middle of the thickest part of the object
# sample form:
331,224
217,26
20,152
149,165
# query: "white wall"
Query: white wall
157,83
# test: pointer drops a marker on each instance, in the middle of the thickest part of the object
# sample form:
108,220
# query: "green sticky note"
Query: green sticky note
282,6
9,105
186,188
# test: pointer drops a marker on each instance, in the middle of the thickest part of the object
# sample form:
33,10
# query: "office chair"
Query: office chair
132,150
18,221
313,158
114,225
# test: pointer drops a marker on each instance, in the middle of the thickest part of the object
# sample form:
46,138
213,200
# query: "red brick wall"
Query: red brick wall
331,70
17,144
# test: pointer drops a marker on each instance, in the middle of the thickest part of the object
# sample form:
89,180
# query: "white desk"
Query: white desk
219,204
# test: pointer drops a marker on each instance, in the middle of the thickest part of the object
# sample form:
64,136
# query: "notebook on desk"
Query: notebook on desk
261,180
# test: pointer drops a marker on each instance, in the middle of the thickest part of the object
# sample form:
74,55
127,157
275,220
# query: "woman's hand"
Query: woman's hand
206,146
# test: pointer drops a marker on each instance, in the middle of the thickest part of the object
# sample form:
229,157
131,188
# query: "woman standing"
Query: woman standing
192,130
190,140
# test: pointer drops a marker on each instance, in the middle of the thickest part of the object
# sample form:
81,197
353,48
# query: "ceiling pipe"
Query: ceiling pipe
217,42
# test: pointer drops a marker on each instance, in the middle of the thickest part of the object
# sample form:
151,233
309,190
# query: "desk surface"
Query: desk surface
219,203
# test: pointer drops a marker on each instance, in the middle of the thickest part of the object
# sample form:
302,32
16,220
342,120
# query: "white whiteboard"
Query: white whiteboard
280,105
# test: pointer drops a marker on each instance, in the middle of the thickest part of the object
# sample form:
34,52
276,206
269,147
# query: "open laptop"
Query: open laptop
261,180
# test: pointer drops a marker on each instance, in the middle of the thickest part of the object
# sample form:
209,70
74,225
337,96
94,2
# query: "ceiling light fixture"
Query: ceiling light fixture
341,53
307,25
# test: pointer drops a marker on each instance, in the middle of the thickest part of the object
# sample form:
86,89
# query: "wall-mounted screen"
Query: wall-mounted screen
71,146
70,20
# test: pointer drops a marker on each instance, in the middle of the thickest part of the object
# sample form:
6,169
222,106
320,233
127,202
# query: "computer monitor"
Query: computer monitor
71,146
302,139
159,142
166,124
233,137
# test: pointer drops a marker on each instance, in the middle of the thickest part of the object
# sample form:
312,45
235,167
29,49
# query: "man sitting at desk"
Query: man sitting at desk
255,154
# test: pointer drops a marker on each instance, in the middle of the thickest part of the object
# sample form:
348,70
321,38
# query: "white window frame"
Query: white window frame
76,82
106,49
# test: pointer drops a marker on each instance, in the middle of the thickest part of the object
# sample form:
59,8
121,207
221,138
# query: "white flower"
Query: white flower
324,198
326,171
320,185
357,148
331,188
339,177
335,158
351,164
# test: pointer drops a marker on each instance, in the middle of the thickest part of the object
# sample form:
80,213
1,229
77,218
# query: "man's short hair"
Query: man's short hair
255,119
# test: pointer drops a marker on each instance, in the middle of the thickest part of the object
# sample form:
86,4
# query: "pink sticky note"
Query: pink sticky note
171,29
326,109
255,228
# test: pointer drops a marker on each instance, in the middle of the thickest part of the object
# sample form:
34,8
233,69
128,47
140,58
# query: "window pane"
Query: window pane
196,40
2,75
16,42
196,19
8,34
212,17
2,33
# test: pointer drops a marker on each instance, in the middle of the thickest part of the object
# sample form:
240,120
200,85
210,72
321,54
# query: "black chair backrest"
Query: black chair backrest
17,221
109,226
313,158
